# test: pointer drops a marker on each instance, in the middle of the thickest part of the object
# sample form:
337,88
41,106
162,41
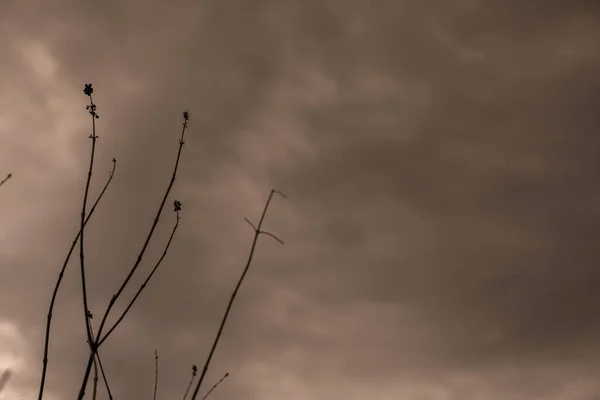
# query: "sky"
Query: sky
441,220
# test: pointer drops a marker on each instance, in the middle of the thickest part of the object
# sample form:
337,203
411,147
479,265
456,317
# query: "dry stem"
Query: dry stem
257,233
94,346
59,281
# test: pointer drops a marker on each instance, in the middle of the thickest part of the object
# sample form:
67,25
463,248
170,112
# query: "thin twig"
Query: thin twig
86,311
215,386
110,396
95,380
143,286
194,373
138,261
5,179
156,372
59,281
271,235
257,232
97,358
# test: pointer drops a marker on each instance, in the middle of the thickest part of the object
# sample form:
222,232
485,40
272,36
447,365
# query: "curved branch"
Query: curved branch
60,277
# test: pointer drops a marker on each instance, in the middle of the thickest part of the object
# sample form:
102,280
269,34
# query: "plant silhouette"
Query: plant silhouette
96,337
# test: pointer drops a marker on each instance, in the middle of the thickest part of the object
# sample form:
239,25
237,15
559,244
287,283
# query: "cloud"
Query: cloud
439,165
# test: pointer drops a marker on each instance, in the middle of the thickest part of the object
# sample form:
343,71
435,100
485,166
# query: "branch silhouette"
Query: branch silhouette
87,314
143,286
155,373
194,373
95,381
59,281
257,233
215,386
94,346
96,339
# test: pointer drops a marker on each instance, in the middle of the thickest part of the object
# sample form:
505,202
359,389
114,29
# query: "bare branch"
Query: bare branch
143,286
250,223
233,295
86,311
98,361
110,396
152,229
215,386
59,281
139,258
95,381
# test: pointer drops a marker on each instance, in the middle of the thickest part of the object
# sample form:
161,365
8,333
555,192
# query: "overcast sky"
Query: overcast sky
442,219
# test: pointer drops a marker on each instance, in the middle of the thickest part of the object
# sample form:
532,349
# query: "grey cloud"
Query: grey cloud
440,167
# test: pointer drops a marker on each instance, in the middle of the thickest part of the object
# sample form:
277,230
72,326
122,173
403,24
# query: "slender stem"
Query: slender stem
257,232
95,387
110,396
143,286
215,386
194,372
138,261
59,281
150,234
86,375
86,310
156,372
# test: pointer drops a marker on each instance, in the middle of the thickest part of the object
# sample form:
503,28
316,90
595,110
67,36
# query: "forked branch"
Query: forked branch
95,345
59,281
257,233
143,286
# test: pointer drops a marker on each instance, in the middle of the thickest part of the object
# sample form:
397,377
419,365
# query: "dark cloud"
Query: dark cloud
440,165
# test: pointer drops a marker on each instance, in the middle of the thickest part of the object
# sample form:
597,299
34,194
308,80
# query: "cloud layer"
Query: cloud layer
440,163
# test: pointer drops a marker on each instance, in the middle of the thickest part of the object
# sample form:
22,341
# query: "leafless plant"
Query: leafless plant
257,232
95,343
59,281
104,331
98,361
87,314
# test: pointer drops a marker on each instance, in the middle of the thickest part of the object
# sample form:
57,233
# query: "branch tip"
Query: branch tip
251,224
278,192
